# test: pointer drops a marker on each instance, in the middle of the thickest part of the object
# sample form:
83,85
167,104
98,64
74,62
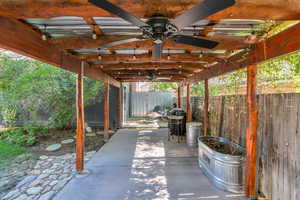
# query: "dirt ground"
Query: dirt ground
92,143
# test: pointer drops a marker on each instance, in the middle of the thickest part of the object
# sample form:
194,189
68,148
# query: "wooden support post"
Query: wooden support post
106,111
251,133
205,109
80,121
188,107
120,106
178,98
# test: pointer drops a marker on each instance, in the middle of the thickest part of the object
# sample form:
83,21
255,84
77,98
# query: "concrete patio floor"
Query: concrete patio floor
143,165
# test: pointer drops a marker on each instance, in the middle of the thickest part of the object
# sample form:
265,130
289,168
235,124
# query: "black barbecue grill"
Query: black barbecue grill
177,123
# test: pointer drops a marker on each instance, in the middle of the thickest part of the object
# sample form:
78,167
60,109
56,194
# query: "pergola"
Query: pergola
71,34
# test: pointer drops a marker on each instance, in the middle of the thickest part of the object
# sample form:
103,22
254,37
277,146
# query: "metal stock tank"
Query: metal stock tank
224,170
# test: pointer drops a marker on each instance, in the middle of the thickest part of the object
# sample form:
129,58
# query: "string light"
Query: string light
99,56
134,57
44,37
169,54
94,36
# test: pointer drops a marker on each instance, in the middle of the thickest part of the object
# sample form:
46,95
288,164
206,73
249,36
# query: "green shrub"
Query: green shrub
8,151
23,135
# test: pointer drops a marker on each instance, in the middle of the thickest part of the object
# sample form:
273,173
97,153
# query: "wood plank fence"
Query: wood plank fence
278,137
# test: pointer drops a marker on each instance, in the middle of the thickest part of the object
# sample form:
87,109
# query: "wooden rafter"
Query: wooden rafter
17,38
157,66
209,58
143,72
244,9
93,25
209,28
86,42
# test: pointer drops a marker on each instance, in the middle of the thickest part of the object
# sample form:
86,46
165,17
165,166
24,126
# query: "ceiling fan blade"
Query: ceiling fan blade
198,42
119,42
156,51
201,11
106,5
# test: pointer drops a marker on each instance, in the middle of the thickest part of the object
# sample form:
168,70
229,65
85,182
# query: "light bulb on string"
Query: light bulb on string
44,36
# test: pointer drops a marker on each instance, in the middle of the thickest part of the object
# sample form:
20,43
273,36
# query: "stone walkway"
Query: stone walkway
48,177
143,165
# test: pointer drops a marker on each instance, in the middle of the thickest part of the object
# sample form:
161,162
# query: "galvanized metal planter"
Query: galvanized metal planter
224,170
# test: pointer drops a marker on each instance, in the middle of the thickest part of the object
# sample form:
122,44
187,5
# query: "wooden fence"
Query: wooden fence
278,137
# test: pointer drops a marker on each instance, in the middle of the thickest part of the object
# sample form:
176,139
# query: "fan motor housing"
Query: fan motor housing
160,28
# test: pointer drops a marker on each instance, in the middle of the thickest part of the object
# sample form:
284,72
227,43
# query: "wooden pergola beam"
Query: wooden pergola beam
244,9
186,57
18,38
138,79
86,42
157,66
144,73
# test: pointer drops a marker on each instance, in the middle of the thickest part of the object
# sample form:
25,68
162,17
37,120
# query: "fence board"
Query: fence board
278,137
144,102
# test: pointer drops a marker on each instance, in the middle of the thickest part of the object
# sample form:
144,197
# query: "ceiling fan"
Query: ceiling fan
152,76
158,28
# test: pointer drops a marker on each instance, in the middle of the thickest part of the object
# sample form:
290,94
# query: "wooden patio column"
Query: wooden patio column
120,106
188,106
106,111
251,133
178,97
205,109
80,121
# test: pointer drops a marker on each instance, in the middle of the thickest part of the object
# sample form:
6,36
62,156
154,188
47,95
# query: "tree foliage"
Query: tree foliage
163,86
34,88
271,72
